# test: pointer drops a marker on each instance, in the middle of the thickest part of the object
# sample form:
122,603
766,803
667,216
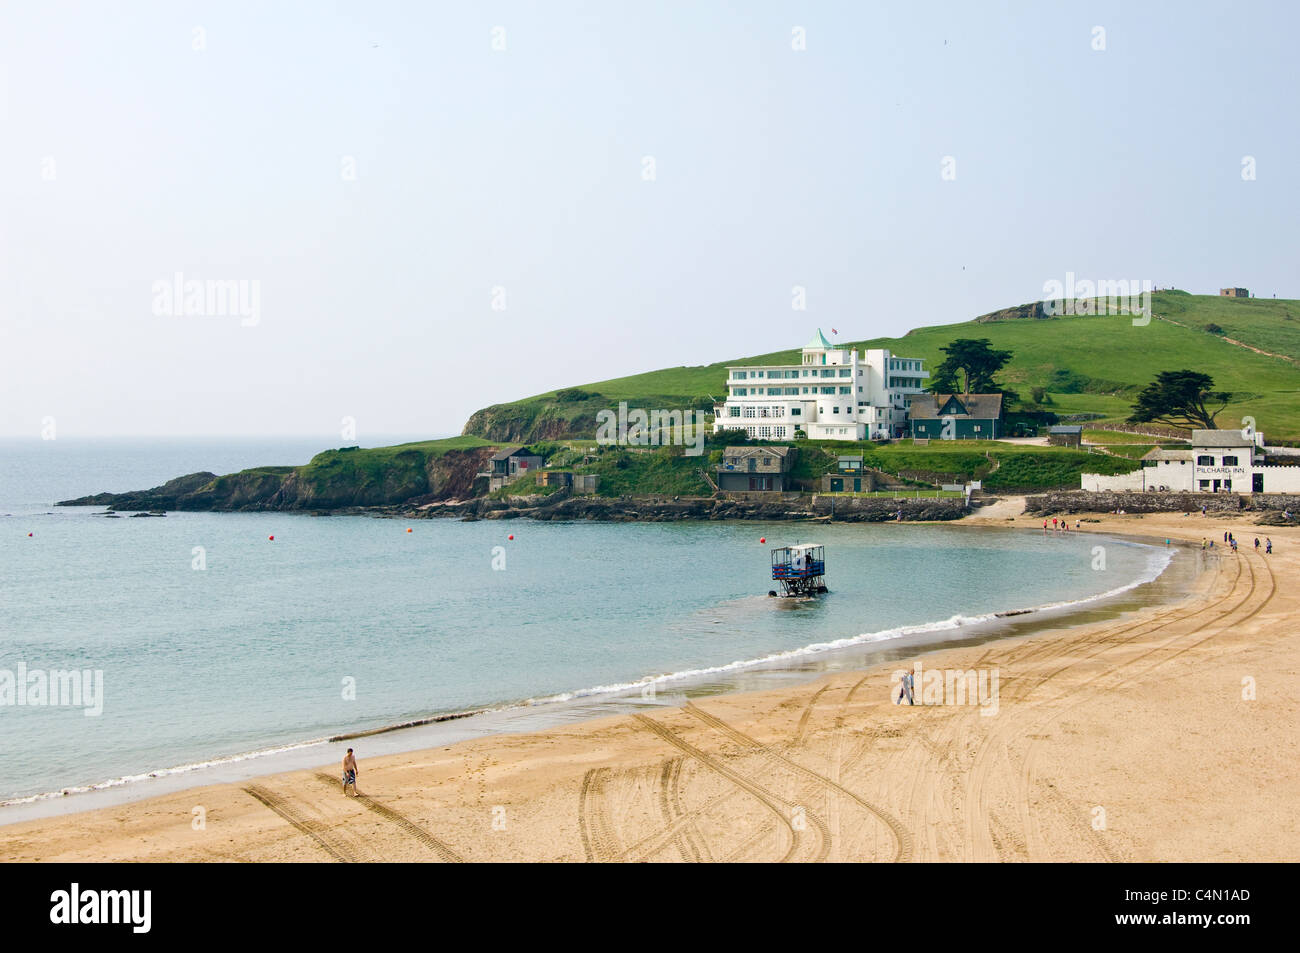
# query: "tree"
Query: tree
974,362
1179,398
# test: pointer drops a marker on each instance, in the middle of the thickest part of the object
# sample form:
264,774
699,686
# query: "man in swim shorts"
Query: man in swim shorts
350,773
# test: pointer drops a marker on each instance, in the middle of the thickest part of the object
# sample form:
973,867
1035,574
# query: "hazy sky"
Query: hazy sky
378,169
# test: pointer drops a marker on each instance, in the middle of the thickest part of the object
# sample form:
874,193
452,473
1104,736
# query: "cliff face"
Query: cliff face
530,422
333,480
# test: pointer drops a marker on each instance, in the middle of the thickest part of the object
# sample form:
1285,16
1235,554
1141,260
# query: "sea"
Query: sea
211,644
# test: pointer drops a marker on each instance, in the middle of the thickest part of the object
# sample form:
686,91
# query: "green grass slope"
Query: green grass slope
1087,364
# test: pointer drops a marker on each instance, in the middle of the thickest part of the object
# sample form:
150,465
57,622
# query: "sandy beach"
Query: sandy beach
1167,734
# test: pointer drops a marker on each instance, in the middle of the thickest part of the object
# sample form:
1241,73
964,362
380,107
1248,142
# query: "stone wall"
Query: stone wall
1079,501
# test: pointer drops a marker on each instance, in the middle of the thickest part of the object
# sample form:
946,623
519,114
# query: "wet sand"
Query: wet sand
1126,738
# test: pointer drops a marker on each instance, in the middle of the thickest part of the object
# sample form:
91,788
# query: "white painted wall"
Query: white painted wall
1098,482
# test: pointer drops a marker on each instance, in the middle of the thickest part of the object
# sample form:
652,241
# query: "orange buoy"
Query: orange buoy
408,529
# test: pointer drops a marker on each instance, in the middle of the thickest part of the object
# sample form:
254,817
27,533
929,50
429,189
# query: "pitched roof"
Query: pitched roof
819,342
1220,438
982,406
749,451
506,453
1066,428
1161,453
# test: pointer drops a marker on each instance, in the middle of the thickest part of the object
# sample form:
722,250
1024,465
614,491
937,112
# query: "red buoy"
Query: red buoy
511,536
271,538
31,534
762,539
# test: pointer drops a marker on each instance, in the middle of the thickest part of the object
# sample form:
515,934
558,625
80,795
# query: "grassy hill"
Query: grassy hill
1088,365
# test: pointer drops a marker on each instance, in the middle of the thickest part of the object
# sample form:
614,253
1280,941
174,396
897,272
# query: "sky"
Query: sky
429,207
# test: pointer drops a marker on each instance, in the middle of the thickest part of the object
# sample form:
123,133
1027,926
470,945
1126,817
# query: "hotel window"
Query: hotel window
795,411
835,410
1204,461
764,433
758,373
778,432
1229,461
738,392
846,390
751,412
846,372
733,411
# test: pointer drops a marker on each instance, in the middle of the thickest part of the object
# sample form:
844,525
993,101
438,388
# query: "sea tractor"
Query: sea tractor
799,569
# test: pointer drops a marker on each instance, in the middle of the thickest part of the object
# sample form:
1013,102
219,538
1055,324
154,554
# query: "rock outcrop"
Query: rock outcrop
609,509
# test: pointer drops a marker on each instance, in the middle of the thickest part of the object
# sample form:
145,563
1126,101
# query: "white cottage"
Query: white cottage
1217,461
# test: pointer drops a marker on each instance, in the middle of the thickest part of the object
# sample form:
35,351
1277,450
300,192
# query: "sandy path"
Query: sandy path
1127,740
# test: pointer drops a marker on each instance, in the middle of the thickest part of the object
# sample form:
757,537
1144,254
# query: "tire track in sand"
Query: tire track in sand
313,829
401,820
773,802
902,838
599,841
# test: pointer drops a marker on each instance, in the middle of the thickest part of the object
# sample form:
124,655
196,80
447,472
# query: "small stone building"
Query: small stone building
1065,436
849,476
755,468
1233,293
509,464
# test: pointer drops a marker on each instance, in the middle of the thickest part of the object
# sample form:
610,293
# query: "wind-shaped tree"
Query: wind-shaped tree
969,369
1179,398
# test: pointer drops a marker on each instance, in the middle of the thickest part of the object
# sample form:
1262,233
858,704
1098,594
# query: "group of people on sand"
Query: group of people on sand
1063,526
1231,542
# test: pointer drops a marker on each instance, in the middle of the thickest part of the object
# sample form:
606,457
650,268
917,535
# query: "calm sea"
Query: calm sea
214,640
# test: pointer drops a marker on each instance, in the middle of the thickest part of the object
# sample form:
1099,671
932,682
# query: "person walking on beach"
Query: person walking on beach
1256,544
906,691
1225,536
350,773
1268,546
